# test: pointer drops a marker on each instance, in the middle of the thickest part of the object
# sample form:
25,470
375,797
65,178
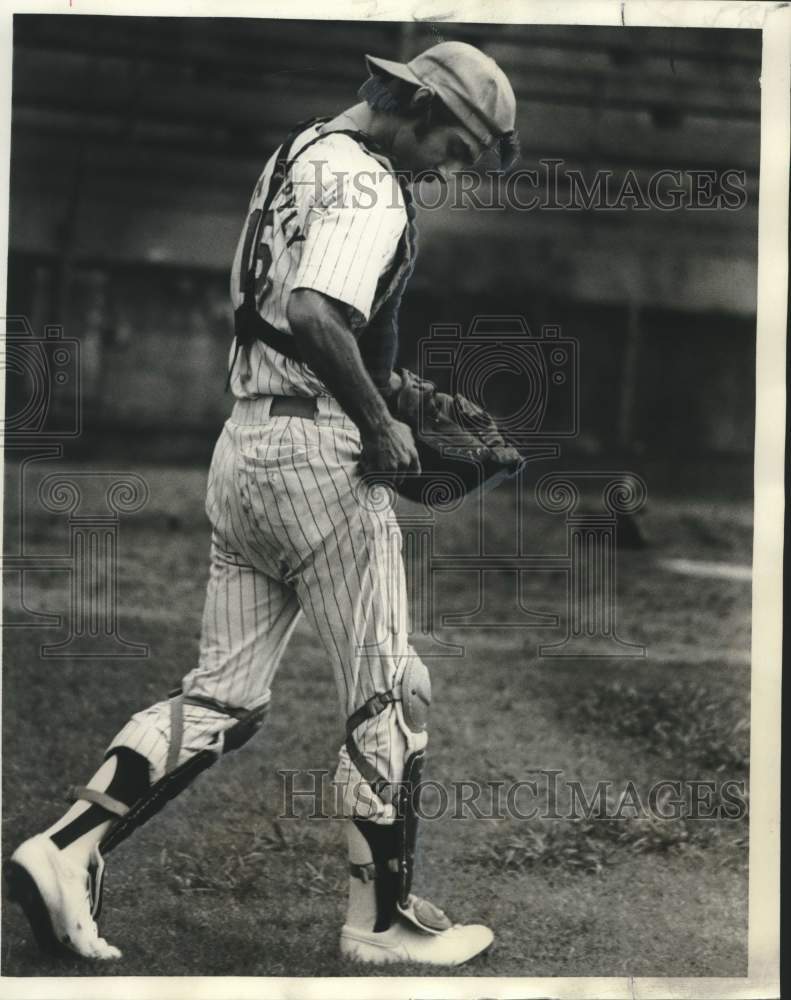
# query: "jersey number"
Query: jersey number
262,253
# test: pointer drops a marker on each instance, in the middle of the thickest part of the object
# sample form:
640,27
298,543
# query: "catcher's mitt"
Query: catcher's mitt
460,447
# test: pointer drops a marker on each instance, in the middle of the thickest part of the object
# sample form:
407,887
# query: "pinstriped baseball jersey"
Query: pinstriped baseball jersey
334,227
296,530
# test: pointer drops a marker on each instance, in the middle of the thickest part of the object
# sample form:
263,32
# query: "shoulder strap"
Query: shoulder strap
249,325
246,318
279,173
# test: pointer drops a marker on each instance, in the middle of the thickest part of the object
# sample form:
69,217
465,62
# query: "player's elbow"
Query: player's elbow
315,320
304,311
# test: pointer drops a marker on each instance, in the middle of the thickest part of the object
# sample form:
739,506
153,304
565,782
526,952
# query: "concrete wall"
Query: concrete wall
135,145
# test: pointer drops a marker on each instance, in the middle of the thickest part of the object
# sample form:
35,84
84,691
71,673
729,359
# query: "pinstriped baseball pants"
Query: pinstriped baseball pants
294,531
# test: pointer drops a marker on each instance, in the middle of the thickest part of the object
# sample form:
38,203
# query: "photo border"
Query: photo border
774,20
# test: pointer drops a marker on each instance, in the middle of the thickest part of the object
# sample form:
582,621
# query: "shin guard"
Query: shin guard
178,776
393,852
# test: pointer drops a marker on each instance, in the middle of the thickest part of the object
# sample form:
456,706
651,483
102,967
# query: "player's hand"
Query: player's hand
390,449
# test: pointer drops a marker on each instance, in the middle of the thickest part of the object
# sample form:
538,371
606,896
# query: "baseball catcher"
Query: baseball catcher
321,418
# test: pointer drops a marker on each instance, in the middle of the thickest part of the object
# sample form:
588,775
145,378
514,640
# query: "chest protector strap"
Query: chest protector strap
249,325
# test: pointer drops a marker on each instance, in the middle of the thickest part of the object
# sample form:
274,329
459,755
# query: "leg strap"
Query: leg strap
176,732
248,721
367,873
376,703
80,792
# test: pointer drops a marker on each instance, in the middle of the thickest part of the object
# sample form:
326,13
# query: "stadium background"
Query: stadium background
135,144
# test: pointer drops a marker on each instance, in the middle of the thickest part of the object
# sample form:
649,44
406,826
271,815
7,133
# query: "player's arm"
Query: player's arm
329,347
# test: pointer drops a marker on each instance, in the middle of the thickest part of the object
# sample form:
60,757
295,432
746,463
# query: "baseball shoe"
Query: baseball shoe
403,942
59,899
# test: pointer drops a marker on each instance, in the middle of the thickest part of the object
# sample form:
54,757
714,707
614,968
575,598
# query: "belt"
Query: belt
294,406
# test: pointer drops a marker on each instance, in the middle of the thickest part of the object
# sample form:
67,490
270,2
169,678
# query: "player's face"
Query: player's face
444,149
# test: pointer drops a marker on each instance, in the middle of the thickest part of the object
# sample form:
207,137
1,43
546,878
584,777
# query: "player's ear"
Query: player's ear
420,110
421,100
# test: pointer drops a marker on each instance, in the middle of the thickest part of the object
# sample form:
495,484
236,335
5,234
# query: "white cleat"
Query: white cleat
403,942
60,900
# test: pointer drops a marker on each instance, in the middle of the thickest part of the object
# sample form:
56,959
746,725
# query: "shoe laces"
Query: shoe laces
86,909
83,911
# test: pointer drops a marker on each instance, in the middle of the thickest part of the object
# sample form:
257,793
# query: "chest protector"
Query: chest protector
378,342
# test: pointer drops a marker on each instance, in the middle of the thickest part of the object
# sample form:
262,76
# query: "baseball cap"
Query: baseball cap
468,82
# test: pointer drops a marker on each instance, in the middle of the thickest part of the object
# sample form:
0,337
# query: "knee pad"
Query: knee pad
410,697
413,682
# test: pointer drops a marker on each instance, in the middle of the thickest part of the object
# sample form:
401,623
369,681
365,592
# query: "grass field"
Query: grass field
217,885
